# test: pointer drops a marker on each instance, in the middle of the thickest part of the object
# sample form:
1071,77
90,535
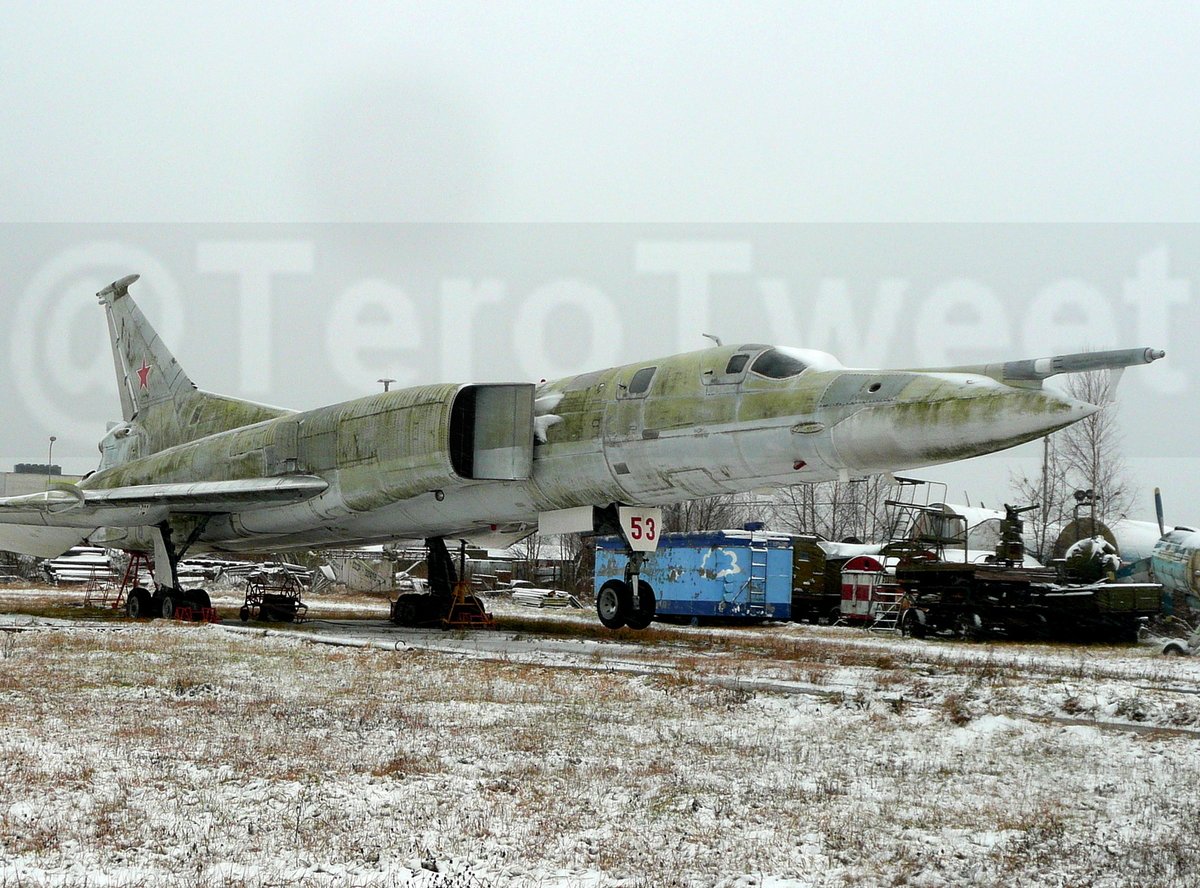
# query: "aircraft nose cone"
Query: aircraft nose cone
1079,409
951,419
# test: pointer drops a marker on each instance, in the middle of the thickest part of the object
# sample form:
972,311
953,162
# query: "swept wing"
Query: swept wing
46,524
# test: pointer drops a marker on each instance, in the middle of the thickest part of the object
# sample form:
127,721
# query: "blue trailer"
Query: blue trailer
721,573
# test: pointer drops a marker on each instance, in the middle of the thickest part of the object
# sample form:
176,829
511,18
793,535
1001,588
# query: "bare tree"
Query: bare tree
565,560
1050,490
1091,448
1083,456
579,559
710,513
836,510
528,552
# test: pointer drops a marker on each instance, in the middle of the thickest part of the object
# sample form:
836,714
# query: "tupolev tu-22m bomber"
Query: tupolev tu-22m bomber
597,452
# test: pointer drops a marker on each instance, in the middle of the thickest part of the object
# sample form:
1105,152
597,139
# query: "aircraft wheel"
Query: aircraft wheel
644,615
614,603
167,606
137,605
200,599
404,613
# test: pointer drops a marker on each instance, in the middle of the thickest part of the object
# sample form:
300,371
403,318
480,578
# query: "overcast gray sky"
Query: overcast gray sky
604,112
622,113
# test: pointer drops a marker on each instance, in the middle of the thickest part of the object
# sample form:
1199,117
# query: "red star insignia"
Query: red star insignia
144,374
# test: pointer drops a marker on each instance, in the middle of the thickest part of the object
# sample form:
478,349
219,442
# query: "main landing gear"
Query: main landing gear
168,600
449,603
190,605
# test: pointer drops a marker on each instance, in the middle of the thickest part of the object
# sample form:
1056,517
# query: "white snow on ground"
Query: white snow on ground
781,756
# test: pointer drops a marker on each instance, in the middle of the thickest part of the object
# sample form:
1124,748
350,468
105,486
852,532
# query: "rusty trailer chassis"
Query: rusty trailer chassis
985,600
274,598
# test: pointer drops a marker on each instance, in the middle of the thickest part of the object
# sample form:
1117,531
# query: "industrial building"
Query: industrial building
32,478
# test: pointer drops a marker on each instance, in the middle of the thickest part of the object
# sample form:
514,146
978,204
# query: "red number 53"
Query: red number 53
642,528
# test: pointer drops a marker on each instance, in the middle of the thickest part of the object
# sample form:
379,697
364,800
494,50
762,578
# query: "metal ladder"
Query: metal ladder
756,586
103,589
887,608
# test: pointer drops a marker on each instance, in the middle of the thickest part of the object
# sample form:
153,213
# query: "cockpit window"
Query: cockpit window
774,364
736,364
641,381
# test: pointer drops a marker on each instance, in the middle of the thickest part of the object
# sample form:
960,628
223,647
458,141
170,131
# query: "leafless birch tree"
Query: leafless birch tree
1084,456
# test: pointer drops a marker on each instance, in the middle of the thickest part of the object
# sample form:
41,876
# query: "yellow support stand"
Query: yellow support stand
466,610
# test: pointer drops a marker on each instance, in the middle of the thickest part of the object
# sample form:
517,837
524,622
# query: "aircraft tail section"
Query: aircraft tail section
156,393
147,372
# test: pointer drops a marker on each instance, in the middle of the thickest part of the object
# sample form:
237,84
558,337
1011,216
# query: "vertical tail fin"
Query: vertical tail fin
155,391
147,372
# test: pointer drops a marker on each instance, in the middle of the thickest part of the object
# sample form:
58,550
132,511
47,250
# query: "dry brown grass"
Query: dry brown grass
268,749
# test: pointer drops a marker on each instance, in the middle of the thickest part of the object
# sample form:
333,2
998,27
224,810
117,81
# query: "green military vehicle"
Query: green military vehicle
999,595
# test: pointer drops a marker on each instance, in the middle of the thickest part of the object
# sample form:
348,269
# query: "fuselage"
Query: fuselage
721,420
1176,564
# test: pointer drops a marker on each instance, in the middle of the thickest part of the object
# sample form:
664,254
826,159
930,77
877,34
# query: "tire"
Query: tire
277,608
1039,627
911,624
644,615
970,626
614,602
244,614
404,613
167,606
835,615
137,605
200,599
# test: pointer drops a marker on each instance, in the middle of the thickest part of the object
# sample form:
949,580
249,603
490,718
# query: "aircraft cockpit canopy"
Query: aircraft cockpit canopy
777,364
736,364
771,362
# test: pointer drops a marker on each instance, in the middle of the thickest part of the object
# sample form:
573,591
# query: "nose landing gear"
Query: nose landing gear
630,601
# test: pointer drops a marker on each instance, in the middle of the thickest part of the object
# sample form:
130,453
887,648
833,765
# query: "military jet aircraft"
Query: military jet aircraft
593,452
